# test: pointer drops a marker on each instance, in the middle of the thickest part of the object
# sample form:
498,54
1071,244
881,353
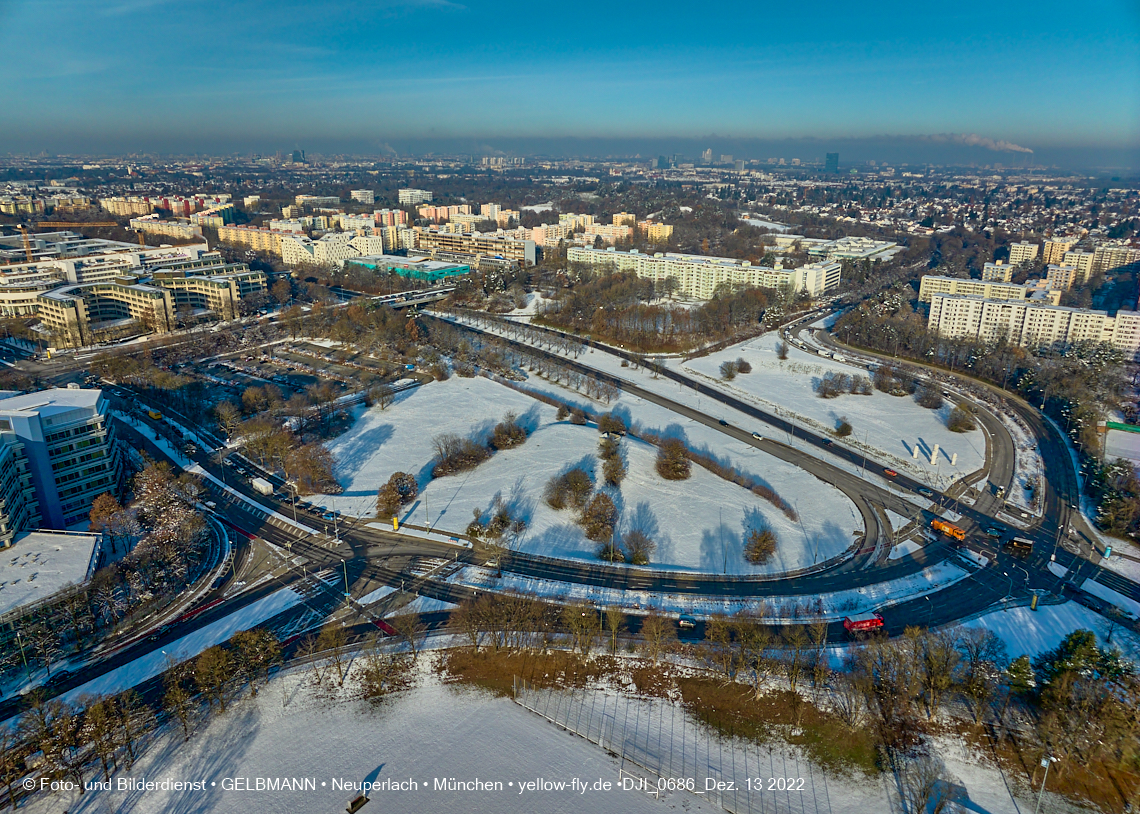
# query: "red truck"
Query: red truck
862,624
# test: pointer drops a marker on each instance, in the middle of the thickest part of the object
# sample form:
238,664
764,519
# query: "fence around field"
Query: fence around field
657,744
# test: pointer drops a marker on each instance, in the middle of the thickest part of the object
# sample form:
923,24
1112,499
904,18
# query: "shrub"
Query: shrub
508,433
843,428
781,350
608,448
639,547
610,552
571,488
400,490
578,416
728,370
454,454
476,528
613,470
760,545
743,366
673,460
439,371
860,386
611,423
599,518
563,412
929,397
961,420
833,384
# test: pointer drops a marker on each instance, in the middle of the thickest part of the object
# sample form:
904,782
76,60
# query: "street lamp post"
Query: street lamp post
1046,761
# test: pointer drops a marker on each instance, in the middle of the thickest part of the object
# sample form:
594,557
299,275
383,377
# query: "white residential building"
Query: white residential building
1022,253
699,276
414,196
987,289
1030,324
365,196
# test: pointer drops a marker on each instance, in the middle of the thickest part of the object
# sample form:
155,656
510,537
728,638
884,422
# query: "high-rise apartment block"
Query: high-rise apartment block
996,272
1055,248
1082,262
1022,253
1113,256
410,197
961,286
365,196
625,219
390,217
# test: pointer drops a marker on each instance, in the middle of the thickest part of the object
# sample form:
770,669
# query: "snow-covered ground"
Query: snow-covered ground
439,731
893,425
834,605
39,563
698,524
1029,469
1027,632
189,646
767,224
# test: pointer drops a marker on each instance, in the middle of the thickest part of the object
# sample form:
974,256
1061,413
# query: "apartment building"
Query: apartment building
1060,278
219,290
153,224
364,196
1112,256
997,272
214,216
437,214
1055,248
1031,324
699,276
550,234
575,221
1082,262
517,250
69,448
609,233
1022,253
316,200
252,237
332,250
350,223
411,196
655,232
624,219
990,290
390,217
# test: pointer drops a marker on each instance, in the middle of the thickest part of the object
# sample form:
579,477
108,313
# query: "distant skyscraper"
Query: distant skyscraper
298,156
832,163
706,156
662,162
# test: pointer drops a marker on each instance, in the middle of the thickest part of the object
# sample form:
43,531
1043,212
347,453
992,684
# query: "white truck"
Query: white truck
262,485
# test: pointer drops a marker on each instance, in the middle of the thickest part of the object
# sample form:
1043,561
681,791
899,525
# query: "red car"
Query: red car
890,473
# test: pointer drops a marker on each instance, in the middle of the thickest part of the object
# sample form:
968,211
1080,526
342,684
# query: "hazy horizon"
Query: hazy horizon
973,83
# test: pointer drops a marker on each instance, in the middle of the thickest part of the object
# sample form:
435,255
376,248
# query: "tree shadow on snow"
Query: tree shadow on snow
353,455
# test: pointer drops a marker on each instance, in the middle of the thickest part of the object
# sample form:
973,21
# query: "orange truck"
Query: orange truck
949,529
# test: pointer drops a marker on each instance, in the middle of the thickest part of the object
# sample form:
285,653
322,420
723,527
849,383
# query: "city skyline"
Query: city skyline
398,75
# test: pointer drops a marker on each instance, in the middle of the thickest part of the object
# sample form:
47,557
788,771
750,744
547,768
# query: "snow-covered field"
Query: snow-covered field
437,731
40,563
1027,632
698,524
894,425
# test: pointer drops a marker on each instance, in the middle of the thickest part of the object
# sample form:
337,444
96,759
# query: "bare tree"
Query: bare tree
657,634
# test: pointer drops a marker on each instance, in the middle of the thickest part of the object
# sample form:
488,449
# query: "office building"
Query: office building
1032,324
520,251
19,509
70,452
699,276
997,272
853,248
1022,253
291,212
1055,248
218,290
989,290
410,197
364,196
415,268
831,164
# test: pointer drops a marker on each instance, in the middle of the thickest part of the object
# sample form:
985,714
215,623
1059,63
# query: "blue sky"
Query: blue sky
251,74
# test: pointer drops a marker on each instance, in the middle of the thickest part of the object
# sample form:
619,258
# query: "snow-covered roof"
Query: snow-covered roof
50,402
40,563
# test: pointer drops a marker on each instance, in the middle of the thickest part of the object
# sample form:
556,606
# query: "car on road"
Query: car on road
827,442
723,423
758,436
890,473
58,677
686,622
994,531
922,490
